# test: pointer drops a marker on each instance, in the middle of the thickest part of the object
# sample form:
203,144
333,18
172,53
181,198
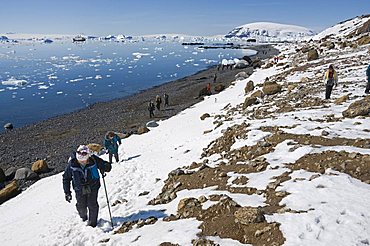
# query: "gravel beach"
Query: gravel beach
55,139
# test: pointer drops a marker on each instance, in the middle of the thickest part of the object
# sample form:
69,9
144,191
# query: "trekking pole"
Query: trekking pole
106,195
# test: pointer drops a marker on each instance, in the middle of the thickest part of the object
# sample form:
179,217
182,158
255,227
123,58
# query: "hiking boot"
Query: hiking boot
91,224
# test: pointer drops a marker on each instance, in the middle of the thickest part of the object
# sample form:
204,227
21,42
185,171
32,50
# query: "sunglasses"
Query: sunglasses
83,153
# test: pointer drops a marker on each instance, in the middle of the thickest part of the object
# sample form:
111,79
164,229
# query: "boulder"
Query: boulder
304,80
247,215
189,207
95,148
241,76
40,166
203,242
342,99
204,116
270,88
2,176
10,173
8,126
358,108
152,123
10,191
241,64
363,40
204,92
312,55
248,59
249,101
343,45
25,173
249,87
257,63
268,65
219,87
142,130
306,49
328,44
257,94
291,87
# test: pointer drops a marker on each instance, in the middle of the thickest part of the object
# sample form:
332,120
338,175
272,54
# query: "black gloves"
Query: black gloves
68,197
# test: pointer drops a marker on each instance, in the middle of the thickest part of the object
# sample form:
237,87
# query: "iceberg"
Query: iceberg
16,82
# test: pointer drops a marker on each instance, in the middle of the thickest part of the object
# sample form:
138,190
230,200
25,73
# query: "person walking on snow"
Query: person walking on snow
209,89
158,102
151,109
111,143
166,97
367,90
330,79
82,170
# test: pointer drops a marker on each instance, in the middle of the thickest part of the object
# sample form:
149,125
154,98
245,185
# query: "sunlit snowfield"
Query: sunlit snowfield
39,80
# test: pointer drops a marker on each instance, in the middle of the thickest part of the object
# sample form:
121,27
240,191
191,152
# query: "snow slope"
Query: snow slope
268,31
342,29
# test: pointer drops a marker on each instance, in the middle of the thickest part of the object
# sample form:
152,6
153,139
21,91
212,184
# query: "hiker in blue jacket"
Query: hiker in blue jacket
111,143
83,170
367,90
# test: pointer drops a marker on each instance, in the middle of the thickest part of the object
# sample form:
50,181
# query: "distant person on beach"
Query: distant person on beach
158,102
367,90
330,80
209,89
166,99
82,170
151,109
215,78
111,143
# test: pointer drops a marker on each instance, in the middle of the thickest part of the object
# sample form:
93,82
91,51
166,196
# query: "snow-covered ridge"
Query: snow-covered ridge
344,28
268,31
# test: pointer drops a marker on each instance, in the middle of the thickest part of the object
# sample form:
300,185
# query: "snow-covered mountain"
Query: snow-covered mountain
268,31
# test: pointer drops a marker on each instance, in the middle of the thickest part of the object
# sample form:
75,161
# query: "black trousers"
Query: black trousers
88,203
329,88
111,157
367,90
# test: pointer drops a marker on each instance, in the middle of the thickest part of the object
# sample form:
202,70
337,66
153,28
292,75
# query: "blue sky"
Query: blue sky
194,17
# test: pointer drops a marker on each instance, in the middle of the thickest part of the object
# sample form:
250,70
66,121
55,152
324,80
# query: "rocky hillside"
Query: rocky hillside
309,158
348,29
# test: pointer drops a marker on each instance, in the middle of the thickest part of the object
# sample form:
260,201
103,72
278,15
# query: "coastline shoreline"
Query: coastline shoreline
55,138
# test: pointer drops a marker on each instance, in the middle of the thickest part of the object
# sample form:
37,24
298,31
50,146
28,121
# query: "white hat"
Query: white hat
83,153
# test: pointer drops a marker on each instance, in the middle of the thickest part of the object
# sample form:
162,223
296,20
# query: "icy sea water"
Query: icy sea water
39,81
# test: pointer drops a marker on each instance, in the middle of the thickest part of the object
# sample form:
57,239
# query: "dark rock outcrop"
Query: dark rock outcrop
358,108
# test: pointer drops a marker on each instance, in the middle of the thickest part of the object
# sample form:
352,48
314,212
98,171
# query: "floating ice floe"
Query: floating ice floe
14,81
43,87
59,92
71,57
52,77
139,55
98,77
76,80
59,65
